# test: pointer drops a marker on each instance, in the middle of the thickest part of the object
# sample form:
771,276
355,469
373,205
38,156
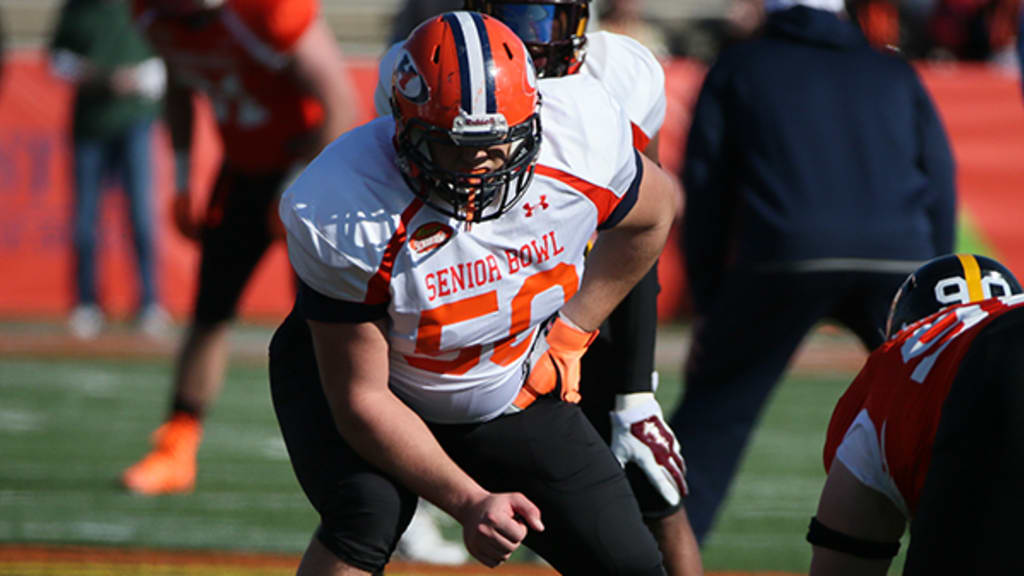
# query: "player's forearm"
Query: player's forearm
340,109
321,68
634,323
623,254
389,435
620,258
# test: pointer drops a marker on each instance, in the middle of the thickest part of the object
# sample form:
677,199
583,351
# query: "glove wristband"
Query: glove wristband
637,413
564,335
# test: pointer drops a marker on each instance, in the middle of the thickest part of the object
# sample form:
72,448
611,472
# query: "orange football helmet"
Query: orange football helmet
465,79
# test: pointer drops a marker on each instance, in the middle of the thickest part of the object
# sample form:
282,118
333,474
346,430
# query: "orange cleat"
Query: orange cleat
170,467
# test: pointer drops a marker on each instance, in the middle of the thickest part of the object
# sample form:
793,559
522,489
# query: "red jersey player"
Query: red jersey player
926,433
276,82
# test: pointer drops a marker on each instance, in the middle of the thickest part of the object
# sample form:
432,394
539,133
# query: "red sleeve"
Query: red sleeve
279,23
640,140
846,411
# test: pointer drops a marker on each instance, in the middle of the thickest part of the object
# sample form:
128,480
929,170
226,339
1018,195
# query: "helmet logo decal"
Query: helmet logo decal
957,290
408,80
429,236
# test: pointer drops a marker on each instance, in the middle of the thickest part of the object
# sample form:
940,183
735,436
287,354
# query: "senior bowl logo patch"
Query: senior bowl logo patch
430,236
408,80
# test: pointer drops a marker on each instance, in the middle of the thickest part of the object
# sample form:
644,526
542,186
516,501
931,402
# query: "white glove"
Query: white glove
641,435
151,78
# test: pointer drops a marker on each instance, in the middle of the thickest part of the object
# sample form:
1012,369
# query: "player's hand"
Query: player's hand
495,526
557,360
641,435
184,220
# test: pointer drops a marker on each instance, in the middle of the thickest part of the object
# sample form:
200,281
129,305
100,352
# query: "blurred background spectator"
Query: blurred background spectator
628,17
805,200
975,30
118,86
966,30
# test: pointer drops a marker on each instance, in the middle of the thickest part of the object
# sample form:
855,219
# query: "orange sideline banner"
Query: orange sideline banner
981,108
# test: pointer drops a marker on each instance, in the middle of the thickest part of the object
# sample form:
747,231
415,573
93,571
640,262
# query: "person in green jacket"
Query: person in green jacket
118,88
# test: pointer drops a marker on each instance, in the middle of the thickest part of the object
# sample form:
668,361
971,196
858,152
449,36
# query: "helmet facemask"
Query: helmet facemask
469,196
467,115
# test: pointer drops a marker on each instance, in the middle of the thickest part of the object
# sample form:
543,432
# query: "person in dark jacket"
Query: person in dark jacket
817,176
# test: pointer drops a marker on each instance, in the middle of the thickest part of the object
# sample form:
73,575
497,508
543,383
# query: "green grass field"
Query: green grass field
68,426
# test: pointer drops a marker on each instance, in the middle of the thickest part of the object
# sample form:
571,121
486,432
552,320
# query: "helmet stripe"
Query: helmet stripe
485,46
460,40
472,73
972,273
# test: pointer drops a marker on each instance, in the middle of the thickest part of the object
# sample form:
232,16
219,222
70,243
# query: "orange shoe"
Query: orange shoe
171,466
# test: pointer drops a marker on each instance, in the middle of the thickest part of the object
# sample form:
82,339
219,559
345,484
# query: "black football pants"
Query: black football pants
549,452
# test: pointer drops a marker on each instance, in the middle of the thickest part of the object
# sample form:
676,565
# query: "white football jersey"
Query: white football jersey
631,74
463,304
626,69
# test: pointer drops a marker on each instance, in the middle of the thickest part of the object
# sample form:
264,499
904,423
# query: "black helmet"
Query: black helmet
945,281
554,31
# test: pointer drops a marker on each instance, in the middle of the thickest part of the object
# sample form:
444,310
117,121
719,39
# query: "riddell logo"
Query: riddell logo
430,236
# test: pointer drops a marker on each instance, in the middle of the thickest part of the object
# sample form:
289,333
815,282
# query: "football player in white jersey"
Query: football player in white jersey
444,306
618,375
555,33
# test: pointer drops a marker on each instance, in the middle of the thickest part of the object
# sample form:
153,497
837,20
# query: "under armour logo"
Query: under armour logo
543,205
